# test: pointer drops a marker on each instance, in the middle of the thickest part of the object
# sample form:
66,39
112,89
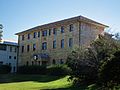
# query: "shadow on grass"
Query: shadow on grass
11,78
68,88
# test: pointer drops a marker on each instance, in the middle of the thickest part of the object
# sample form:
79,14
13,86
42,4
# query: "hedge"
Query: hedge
5,69
58,70
31,70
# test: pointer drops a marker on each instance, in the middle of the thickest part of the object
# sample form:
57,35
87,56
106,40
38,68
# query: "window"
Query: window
27,63
70,42
62,43
34,36
28,36
61,61
62,29
14,69
38,62
39,34
9,64
44,46
54,44
44,33
22,49
44,63
49,32
1,63
10,49
14,57
22,37
3,47
32,62
54,62
71,27
10,57
54,31
34,47
15,49
28,48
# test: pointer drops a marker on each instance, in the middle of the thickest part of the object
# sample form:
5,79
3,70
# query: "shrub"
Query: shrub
5,69
84,67
32,70
58,70
110,71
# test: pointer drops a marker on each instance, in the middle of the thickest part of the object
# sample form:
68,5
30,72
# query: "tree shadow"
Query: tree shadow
10,78
69,88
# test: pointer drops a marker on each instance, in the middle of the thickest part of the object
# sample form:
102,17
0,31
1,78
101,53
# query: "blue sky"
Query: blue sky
19,15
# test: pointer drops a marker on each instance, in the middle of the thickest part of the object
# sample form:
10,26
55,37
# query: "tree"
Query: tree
85,62
110,71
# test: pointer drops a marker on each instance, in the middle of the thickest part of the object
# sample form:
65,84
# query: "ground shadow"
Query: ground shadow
10,78
68,88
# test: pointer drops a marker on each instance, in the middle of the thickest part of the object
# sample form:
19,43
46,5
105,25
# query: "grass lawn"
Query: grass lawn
35,82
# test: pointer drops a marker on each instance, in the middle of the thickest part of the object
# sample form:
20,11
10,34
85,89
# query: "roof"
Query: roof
9,43
61,22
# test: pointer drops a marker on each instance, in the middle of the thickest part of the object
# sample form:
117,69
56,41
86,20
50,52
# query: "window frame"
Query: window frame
38,33
23,38
10,57
28,35
34,47
28,48
70,42
34,34
50,32
54,44
22,50
62,43
44,46
11,48
62,29
44,33
55,31
71,27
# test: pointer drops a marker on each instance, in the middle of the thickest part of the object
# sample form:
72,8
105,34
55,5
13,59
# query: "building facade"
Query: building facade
51,43
8,55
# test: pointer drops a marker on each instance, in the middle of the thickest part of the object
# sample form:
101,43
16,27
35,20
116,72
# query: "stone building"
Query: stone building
51,43
8,55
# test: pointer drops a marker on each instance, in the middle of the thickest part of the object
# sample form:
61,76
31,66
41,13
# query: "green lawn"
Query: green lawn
35,82
39,82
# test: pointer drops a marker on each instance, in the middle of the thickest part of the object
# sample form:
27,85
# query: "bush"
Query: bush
31,70
84,67
5,69
83,74
110,71
58,70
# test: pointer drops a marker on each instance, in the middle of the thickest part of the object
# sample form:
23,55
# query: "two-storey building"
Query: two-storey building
8,55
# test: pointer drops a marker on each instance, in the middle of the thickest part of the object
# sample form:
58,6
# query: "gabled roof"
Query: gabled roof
62,22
